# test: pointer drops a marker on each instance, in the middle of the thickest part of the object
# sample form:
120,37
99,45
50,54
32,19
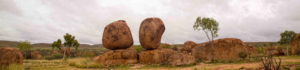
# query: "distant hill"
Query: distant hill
4,43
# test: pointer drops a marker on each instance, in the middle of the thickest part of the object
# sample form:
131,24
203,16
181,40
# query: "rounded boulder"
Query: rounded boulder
150,33
117,35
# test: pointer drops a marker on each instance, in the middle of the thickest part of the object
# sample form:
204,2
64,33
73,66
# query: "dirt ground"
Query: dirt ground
59,65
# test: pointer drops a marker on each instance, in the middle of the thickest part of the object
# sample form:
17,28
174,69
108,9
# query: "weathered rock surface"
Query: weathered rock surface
150,33
187,47
117,35
181,59
10,56
274,51
223,49
117,57
156,56
295,45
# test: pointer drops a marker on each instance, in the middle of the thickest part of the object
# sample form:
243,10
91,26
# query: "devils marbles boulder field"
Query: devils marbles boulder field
117,35
150,33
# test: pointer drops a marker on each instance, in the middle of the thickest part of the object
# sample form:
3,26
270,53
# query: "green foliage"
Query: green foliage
208,25
243,55
287,37
25,47
138,48
242,67
56,44
70,41
54,56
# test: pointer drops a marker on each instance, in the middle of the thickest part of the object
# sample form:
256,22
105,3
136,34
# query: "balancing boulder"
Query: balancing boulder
117,35
151,31
10,56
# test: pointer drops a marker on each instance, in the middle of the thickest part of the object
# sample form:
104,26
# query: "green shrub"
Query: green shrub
54,56
138,48
243,55
242,67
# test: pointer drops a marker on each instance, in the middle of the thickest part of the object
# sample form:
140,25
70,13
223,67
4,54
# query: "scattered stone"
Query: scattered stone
223,49
150,33
10,56
295,45
118,57
117,35
156,56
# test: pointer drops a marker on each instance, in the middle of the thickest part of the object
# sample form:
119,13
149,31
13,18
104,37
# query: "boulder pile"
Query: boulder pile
222,49
10,56
150,33
117,37
296,45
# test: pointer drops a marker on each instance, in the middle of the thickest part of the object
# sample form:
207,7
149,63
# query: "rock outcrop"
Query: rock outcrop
295,45
181,59
117,35
156,56
117,57
222,49
10,56
150,33
187,47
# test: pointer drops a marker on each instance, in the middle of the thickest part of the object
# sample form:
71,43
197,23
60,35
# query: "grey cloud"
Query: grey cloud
48,20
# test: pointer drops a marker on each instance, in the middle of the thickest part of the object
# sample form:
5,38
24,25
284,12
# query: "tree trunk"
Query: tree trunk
287,50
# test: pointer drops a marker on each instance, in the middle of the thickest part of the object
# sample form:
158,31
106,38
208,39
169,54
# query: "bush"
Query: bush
138,48
243,55
54,56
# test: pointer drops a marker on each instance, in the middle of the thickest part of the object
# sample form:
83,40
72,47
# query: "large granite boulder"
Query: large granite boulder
117,35
150,33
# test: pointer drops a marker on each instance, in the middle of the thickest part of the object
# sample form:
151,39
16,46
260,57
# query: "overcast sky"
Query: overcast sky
44,21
